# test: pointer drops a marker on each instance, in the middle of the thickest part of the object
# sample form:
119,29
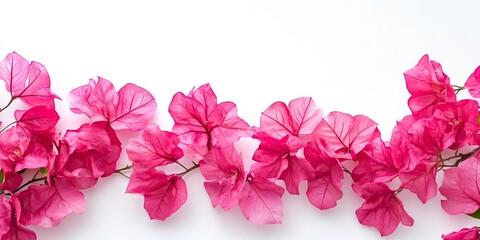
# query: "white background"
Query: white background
348,55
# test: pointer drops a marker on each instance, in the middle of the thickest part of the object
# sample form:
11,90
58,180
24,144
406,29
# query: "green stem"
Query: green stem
120,171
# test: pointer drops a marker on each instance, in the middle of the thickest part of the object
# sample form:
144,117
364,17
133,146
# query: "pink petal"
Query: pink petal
164,194
346,135
190,119
298,170
462,117
206,97
405,154
459,186
473,83
382,209
13,143
421,181
103,99
221,162
47,206
261,201
38,119
375,164
223,168
153,148
135,108
131,108
10,229
80,100
325,188
298,119
28,82
88,153
37,154
5,216
463,234
271,155
429,86
37,90
201,123
226,126
277,118
97,100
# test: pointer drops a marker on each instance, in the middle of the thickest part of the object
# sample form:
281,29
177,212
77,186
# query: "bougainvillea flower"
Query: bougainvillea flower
375,164
473,83
88,153
428,86
223,169
39,119
463,234
10,228
13,144
48,205
346,135
405,155
9,179
299,119
164,194
415,141
153,148
29,82
325,187
202,123
415,145
421,180
131,108
261,201
462,118
382,209
275,158
459,187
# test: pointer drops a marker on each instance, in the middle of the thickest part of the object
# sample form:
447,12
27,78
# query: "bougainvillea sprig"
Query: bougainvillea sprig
42,171
297,143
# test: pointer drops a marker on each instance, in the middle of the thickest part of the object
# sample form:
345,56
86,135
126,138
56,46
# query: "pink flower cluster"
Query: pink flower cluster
42,172
297,143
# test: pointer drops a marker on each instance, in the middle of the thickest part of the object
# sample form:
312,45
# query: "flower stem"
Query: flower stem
120,171
462,157
195,166
33,180
10,124
8,104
